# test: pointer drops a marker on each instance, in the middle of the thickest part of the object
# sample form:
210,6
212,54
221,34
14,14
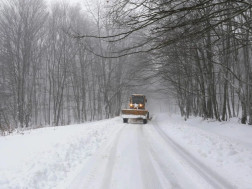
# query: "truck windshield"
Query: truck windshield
137,99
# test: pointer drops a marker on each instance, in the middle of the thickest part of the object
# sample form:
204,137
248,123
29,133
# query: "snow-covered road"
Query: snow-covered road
144,156
165,153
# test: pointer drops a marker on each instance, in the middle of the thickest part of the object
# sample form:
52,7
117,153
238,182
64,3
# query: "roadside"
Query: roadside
224,147
46,157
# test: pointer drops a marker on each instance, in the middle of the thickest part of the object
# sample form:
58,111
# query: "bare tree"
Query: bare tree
21,22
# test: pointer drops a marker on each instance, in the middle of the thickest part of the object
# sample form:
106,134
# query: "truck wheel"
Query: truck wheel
144,121
125,120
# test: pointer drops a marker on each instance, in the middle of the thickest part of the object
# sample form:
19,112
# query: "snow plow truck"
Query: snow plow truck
136,109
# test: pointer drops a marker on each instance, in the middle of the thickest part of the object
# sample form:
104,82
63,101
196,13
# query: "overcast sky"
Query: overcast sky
69,1
84,3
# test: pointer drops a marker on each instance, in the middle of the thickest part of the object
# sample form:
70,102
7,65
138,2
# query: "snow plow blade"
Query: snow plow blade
134,113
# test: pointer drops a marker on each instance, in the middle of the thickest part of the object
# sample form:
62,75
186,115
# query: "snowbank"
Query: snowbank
225,147
44,158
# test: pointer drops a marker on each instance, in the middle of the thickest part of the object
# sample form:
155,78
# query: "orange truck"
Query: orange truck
136,109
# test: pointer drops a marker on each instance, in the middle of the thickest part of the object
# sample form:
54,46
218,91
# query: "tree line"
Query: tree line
50,77
61,65
200,50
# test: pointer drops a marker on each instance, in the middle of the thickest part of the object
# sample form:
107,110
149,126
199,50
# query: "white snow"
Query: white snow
46,157
225,147
168,152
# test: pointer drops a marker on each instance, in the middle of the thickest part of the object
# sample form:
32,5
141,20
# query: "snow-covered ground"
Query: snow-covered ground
47,157
165,153
224,147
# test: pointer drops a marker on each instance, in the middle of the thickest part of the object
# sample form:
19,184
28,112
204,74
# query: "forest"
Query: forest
63,64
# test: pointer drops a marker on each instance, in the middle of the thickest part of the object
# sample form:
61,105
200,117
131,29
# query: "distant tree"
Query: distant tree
20,26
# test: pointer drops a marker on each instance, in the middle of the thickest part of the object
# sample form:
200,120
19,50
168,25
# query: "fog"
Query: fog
61,63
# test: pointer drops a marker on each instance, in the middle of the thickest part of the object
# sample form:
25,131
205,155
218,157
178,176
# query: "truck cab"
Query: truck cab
137,102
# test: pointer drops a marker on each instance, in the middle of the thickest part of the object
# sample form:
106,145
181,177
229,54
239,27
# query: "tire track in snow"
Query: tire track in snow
89,175
111,162
149,176
165,171
212,178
